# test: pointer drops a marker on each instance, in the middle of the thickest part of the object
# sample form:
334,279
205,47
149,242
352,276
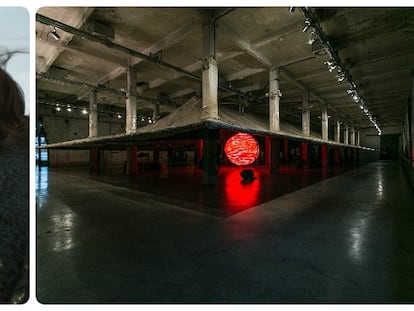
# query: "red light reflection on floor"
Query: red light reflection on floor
240,195
242,149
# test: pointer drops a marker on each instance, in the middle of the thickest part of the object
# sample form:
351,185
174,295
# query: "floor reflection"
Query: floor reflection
42,185
241,195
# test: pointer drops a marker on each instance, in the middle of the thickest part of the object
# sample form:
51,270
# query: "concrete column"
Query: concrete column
275,156
352,135
155,112
210,74
305,114
93,115
338,131
357,138
209,159
274,99
346,134
131,101
325,123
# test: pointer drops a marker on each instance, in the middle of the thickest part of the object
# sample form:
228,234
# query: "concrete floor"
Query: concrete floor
111,239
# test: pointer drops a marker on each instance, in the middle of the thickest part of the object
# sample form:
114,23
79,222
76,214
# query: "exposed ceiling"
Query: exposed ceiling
373,46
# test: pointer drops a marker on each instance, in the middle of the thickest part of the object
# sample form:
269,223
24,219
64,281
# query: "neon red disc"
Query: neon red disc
242,149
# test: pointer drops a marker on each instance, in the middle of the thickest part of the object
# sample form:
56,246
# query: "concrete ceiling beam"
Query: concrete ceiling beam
77,21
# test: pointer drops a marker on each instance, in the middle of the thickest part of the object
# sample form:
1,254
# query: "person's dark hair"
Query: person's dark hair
12,119
14,198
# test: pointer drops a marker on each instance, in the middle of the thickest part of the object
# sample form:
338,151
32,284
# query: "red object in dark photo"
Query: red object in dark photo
242,149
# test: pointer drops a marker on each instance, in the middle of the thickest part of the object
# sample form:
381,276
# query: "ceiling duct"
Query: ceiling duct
102,30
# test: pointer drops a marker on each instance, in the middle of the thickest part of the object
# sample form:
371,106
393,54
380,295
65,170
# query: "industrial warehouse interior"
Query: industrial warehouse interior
224,155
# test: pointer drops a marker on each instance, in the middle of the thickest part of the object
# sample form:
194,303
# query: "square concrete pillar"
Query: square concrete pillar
305,114
274,99
131,101
93,115
325,123
210,74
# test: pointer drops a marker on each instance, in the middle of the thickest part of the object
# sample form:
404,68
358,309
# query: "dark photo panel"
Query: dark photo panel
224,155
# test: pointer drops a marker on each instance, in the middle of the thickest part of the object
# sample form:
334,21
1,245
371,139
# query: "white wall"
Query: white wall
63,126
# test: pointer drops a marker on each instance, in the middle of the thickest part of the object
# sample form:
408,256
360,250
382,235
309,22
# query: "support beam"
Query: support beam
274,99
338,131
305,114
352,142
155,112
357,138
131,101
77,20
325,123
93,115
248,47
210,74
243,74
245,45
346,134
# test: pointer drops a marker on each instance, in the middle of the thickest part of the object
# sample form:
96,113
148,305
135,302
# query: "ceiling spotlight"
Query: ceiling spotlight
119,116
307,25
54,35
84,111
341,78
58,109
312,37
68,109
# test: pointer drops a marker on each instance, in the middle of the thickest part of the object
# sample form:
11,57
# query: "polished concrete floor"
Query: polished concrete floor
296,237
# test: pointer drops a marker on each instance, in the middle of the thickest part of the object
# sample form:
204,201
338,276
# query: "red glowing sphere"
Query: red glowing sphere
242,149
